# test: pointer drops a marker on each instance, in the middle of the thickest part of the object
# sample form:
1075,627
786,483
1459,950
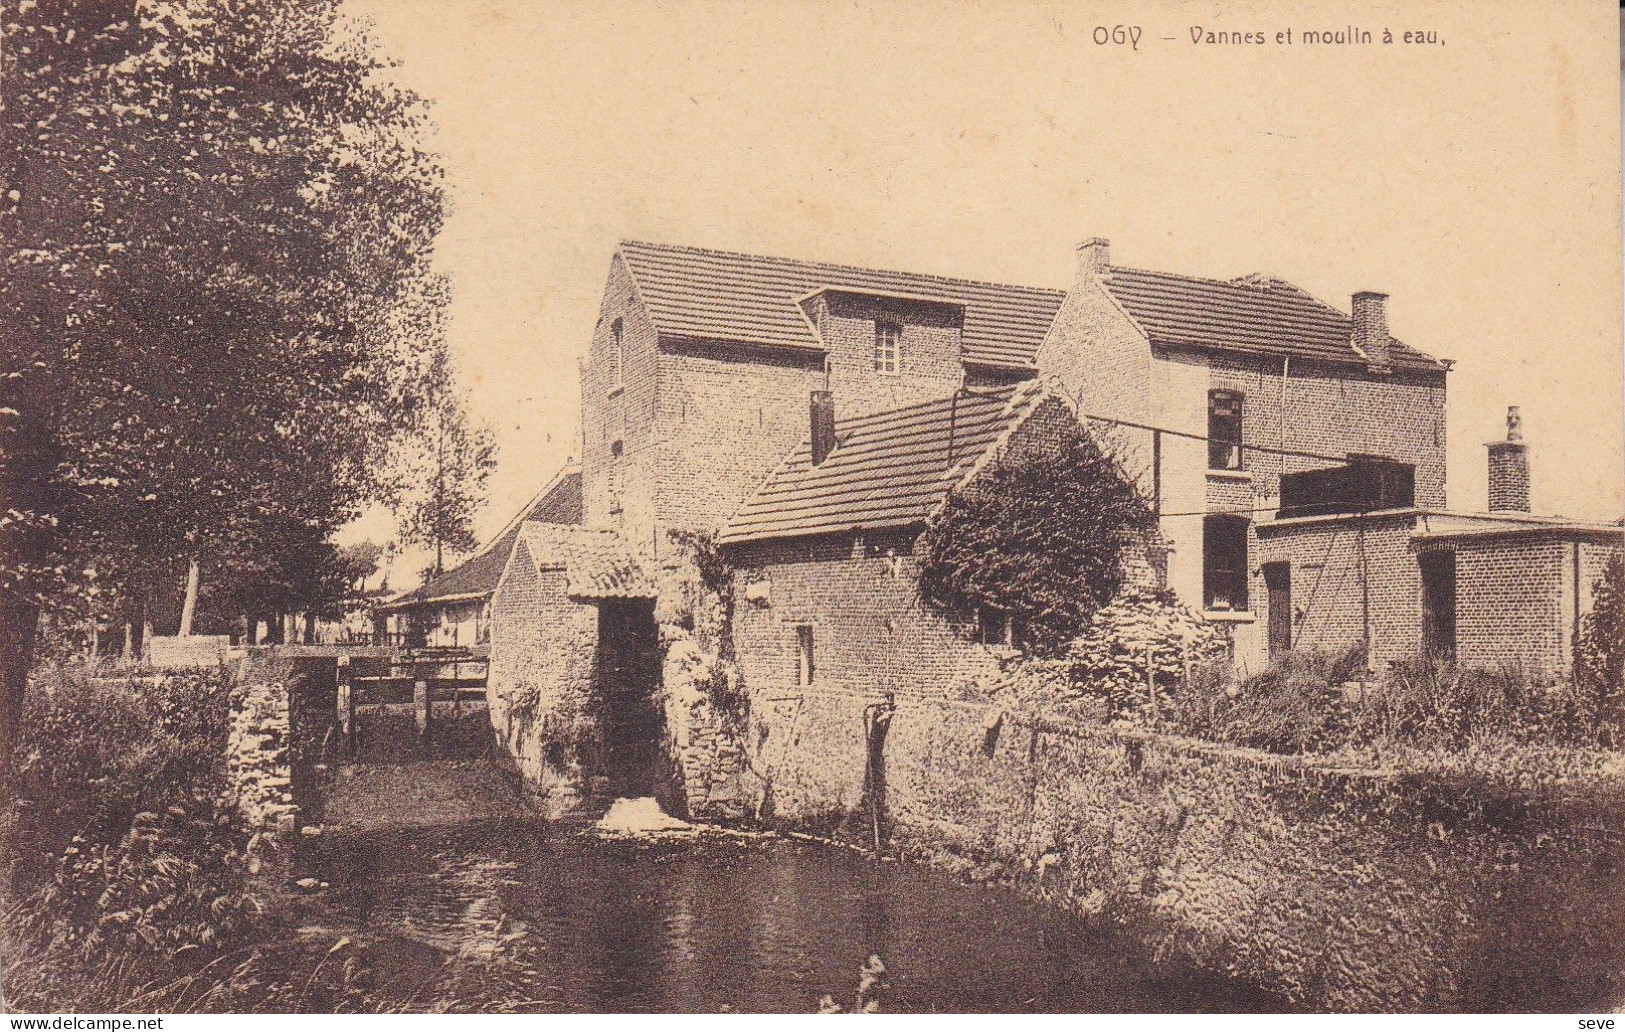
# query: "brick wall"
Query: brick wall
1335,410
700,424
543,647
871,631
1101,358
1510,607
928,352
1103,361
1326,567
859,593
727,418
617,492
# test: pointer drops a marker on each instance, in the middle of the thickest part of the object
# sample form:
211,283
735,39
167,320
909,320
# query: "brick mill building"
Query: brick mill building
1294,453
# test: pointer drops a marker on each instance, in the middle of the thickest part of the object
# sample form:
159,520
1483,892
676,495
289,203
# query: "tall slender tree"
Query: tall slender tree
448,474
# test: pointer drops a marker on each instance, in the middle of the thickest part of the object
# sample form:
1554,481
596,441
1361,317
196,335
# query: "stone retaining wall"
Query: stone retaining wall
1346,890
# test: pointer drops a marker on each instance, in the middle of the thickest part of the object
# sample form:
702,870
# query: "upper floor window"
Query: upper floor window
1223,430
615,333
888,347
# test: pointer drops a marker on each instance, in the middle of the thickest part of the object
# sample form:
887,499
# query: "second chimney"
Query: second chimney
1371,329
1094,259
823,426
1509,468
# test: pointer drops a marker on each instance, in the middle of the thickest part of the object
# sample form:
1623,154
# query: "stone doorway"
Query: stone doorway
629,678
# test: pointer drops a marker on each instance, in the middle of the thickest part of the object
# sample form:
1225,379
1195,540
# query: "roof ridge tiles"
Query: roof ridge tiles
871,270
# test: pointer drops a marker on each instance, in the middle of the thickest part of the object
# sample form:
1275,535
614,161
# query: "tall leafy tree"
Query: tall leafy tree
216,218
446,474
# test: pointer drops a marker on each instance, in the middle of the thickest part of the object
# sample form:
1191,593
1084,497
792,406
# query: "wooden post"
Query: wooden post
346,712
422,707
1151,680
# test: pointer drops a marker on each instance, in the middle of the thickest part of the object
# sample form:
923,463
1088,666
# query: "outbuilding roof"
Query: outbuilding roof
558,502
719,295
1254,314
595,561
890,469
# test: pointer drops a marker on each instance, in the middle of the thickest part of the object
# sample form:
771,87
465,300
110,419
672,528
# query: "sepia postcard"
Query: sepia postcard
516,507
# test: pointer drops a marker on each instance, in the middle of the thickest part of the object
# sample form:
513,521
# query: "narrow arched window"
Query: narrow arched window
1224,429
615,359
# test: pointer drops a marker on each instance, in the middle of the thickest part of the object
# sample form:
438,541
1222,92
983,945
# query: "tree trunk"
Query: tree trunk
190,605
19,627
310,627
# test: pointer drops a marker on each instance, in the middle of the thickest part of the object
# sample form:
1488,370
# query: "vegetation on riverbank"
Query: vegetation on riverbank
129,884
1148,663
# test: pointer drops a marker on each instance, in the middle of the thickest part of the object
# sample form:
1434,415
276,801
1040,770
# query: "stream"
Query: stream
520,916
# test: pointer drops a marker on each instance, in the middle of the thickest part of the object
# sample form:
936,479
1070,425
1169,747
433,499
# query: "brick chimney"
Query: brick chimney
1094,259
1371,329
1509,468
823,426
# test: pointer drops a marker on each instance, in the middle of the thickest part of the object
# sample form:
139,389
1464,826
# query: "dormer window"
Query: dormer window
1224,430
615,332
888,347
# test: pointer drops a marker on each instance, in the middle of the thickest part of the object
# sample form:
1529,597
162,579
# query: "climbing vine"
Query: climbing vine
1041,536
712,668
1600,665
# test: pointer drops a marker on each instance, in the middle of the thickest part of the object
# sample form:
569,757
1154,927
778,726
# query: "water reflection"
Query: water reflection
527,919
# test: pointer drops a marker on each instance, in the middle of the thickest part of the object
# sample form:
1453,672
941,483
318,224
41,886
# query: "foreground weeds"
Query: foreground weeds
128,885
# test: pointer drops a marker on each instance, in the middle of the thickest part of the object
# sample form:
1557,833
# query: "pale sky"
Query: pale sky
1477,181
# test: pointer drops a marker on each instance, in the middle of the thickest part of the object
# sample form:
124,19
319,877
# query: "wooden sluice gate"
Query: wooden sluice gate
375,685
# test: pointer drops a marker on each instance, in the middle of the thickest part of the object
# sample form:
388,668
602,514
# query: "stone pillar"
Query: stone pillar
346,706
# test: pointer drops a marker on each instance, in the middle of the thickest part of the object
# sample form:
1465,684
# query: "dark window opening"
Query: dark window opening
1278,585
615,449
615,332
999,628
1439,604
1224,562
804,655
1223,430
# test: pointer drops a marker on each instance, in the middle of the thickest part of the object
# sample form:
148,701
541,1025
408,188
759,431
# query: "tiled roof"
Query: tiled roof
724,296
560,502
1253,314
595,561
719,295
891,469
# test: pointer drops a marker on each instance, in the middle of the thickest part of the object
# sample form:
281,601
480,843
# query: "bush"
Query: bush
1600,659
1432,704
1142,626
124,863
1042,538
1297,705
